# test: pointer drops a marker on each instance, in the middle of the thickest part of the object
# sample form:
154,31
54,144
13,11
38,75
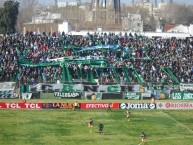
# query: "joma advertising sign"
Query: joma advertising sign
137,106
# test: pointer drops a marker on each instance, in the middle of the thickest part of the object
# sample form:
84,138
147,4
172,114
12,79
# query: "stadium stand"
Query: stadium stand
109,58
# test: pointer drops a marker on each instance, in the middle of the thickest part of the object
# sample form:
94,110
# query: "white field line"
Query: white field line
171,137
164,138
178,122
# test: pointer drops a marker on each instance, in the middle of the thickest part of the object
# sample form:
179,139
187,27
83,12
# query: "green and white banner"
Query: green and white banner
182,96
7,94
186,87
42,87
74,95
7,90
26,96
7,86
131,96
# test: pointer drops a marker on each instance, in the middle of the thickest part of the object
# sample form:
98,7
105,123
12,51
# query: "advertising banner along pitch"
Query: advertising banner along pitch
175,105
10,105
98,105
137,106
57,105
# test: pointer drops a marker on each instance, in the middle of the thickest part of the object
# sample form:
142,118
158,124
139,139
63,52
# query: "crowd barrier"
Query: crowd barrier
96,92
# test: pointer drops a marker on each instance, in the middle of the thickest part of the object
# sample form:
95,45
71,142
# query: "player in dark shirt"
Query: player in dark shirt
101,126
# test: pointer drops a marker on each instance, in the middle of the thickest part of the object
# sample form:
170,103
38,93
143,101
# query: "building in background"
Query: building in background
64,27
132,23
43,22
104,11
93,14
65,4
162,5
61,4
180,29
46,17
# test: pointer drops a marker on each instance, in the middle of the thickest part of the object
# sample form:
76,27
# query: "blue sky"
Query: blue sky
47,2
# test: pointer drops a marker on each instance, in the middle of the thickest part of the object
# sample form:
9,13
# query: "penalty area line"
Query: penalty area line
177,122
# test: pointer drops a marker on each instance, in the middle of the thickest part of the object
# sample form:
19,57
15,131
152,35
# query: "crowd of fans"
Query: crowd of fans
153,59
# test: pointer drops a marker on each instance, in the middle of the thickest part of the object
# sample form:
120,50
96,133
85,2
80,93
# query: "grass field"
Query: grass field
68,127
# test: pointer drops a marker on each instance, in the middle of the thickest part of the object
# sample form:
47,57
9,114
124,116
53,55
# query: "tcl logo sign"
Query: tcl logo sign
33,106
13,105
137,106
21,105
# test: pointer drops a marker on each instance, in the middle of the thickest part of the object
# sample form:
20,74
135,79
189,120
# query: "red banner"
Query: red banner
98,105
15,105
20,105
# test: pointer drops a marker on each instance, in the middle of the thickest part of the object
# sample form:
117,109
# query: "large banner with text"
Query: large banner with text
44,87
182,96
186,87
68,95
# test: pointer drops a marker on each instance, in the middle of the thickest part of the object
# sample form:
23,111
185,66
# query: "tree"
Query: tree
2,23
26,12
177,14
8,19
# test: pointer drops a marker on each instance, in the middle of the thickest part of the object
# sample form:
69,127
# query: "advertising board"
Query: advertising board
12,105
57,105
137,106
98,105
175,105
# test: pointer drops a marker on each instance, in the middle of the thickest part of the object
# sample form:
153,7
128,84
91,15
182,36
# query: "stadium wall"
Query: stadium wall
147,34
